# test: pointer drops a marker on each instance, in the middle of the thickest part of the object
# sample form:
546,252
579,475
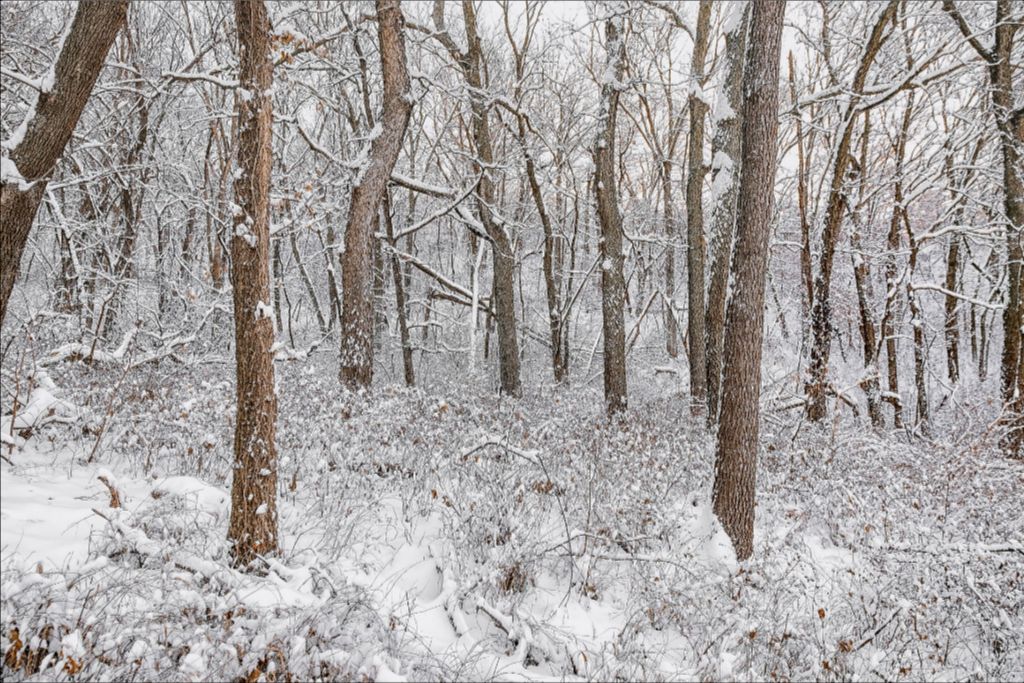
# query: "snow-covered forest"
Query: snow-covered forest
512,340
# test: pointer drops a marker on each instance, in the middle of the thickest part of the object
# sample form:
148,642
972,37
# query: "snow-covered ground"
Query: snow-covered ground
457,535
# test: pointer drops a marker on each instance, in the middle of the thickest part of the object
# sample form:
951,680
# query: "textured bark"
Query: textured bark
727,140
95,25
613,283
736,451
357,267
821,313
252,530
695,242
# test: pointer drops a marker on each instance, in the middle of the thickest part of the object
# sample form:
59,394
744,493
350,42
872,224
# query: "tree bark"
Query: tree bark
252,530
736,451
48,127
695,241
613,283
357,269
726,165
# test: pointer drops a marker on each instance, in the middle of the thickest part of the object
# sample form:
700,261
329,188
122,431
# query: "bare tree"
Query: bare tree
357,261
252,530
999,59
736,452
471,63
37,145
821,315
726,167
613,284
695,242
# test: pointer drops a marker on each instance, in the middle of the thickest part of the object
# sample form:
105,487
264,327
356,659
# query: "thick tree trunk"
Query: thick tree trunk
613,283
695,241
357,271
252,530
726,164
736,451
47,128
821,312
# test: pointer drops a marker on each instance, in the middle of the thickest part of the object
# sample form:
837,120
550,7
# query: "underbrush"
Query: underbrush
453,534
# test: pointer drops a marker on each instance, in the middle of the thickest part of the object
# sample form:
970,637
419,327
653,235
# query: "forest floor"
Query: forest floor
452,534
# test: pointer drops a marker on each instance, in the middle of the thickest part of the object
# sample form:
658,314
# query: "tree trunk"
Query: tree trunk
736,451
252,530
671,321
398,279
917,325
801,194
821,313
357,261
559,362
47,127
695,213
862,283
503,273
726,165
613,283
1000,62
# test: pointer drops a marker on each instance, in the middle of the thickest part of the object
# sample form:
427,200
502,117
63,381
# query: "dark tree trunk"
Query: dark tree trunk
46,134
357,271
695,242
613,283
399,281
736,451
727,141
1000,62
821,312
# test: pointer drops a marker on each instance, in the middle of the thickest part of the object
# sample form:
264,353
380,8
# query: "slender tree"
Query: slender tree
726,168
37,145
357,262
1000,60
252,529
821,312
472,64
613,283
736,452
695,242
